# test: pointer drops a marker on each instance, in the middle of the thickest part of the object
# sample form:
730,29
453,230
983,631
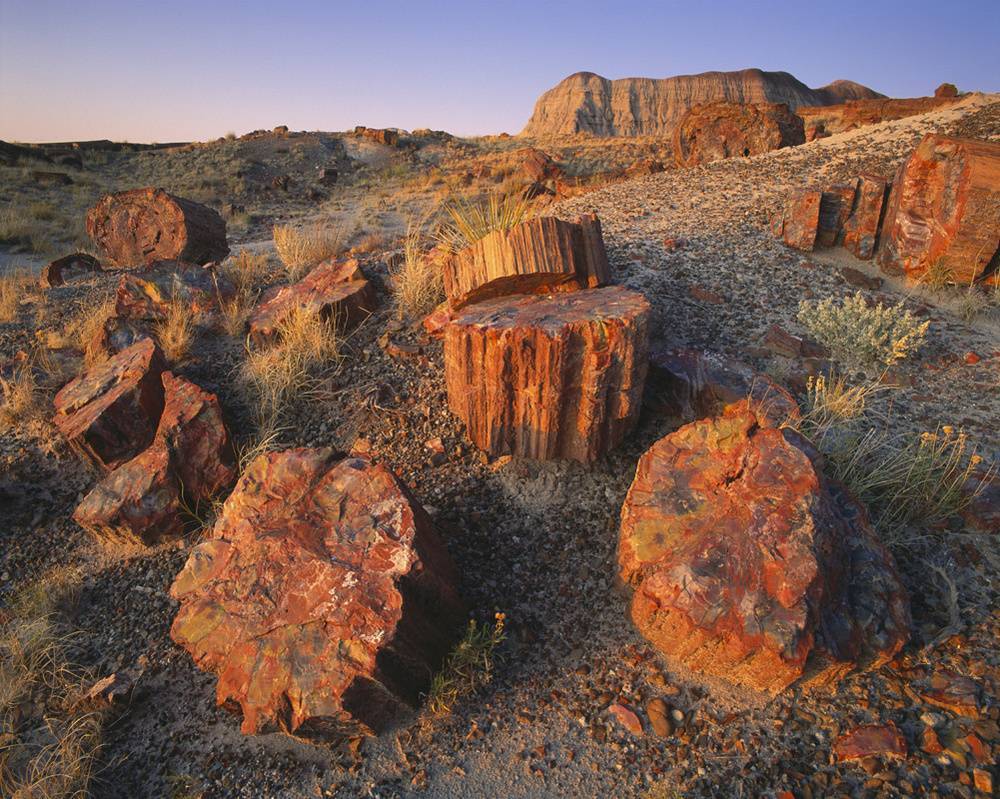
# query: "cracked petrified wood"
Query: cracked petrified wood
835,207
335,290
148,295
109,414
944,212
324,599
747,565
544,377
190,461
136,227
861,230
714,131
798,222
538,255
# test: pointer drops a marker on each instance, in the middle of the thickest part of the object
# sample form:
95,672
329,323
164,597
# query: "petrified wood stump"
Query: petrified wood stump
944,211
540,254
549,376
747,565
136,227
324,599
861,230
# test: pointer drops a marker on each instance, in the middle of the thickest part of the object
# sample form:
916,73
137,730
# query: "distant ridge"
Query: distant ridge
589,103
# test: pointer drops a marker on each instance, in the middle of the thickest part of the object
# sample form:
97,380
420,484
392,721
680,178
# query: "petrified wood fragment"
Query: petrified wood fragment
944,211
798,223
148,295
55,272
714,131
109,414
136,227
540,254
324,599
549,376
835,206
747,565
861,230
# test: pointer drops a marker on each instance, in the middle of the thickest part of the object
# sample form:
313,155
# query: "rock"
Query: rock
55,272
190,461
323,600
835,207
832,119
692,384
147,295
981,509
436,321
135,228
335,290
858,278
109,414
946,90
111,690
954,692
869,740
748,566
118,334
983,780
327,176
658,712
798,223
942,211
716,131
781,342
542,254
861,230
537,167
627,718
51,178
384,136
549,377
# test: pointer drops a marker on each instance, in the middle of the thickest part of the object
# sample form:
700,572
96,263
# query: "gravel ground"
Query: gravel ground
537,541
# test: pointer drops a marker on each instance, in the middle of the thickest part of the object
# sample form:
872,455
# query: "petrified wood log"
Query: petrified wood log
943,211
110,413
861,230
540,254
324,599
798,223
136,227
826,120
55,272
747,565
334,290
549,376
715,131
835,206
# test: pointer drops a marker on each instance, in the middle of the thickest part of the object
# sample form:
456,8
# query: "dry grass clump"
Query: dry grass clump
83,331
175,332
20,398
301,248
289,370
19,229
471,221
417,282
51,751
13,287
467,667
833,406
861,335
247,271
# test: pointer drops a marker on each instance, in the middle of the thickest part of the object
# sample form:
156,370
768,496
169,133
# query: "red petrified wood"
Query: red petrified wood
54,273
109,413
835,206
942,211
861,230
540,254
148,295
135,228
869,740
716,131
747,565
798,223
549,376
324,599
335,290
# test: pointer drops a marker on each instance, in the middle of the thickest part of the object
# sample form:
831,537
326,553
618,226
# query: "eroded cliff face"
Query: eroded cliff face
589,103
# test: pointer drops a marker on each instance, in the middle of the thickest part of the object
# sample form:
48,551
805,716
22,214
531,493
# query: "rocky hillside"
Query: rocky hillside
589,103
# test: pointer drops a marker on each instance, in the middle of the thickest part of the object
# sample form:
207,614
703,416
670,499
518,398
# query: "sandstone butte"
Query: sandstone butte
748,566
942,211
134,228
334,290
827,120
542,254
190,461
716,131
549,376
148,295
588,103
324,599
109,413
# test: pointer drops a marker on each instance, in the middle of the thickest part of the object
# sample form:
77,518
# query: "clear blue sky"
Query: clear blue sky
180,70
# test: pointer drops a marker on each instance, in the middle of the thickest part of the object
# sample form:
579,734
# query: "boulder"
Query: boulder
835,207
716,131
946,90
55,272
136,227
543,254
384,136
109,413
798,223
323,600
148,295
942,211
748,566
537,166
549,377
190,461
861,230
333,289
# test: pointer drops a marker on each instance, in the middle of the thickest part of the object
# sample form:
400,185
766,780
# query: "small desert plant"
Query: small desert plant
863,336
83,331
937,275
833,407
247,270
13,287
417,283
306,344
471,221
301,248
19,395
20,230
467,667
175,331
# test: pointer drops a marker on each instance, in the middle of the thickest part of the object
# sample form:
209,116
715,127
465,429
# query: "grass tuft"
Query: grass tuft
417,283
471,221
13,287
175,332
20,398
301,248
467,667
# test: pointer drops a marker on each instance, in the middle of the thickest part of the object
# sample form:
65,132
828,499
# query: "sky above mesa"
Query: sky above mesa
182,71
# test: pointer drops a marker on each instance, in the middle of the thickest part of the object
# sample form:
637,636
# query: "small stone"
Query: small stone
627,718
658,712
868,740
